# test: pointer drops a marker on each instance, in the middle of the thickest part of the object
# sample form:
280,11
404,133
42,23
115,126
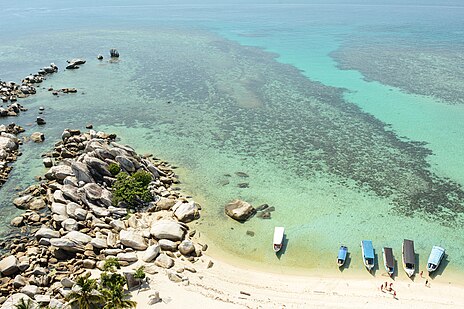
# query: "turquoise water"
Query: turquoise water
341,158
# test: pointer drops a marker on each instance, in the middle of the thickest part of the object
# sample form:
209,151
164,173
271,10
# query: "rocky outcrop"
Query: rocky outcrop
74,225
9,144
239,210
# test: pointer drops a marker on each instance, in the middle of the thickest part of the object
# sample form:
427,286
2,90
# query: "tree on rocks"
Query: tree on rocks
112,287
87,296
132,189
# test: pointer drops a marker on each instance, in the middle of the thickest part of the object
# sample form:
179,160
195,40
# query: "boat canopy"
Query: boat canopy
368,249
389,260
436,255
342,253
278,235
409,256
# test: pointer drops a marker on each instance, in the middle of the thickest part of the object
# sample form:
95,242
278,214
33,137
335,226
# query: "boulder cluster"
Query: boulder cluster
71,223
9,144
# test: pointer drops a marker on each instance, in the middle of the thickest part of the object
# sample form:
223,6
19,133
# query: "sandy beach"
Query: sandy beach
221,287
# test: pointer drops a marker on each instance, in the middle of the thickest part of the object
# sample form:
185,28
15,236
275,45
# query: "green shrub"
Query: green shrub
114,169
139,272
111,264
131,189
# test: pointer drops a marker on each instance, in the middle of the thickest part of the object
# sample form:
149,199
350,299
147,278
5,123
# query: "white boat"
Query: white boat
278,238
435,258
368,254
409,257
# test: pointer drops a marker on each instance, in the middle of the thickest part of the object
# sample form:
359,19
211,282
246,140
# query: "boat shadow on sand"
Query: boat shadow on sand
284,247
441,268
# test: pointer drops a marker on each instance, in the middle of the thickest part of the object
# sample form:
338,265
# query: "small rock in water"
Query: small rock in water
41,108
89,126
114,53
262,207
250,233
264,215
100,57
224,182
40,121
243,185
241,174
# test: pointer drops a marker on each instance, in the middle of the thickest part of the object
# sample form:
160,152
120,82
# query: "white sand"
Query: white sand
220,286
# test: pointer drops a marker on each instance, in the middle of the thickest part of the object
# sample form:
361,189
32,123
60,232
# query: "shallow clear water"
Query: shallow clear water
314,142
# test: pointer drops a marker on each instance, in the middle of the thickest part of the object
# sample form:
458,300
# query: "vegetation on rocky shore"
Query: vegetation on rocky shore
78,229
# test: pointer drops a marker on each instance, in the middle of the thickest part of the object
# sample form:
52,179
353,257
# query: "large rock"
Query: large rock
168,245
66,244
19,281
186,212
37,137
99,211
70,192
7,143
9,266
59,209
36,204
30,290
81,214
14,300
239,210
165,229
45,232
117,212
70,225
78,238
186,247
151,253
132,239
59,172
97,165
127,256
165,203
81,172
21,202
59,197
99,243
93,191
125,163
67,283
164,261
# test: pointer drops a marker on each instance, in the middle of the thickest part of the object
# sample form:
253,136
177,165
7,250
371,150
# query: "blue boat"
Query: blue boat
368,254
435,258
342,253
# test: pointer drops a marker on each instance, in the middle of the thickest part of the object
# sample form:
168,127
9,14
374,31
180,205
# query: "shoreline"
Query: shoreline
227,286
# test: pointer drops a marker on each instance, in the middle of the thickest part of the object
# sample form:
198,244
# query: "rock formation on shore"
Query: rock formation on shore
9,144
72,223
